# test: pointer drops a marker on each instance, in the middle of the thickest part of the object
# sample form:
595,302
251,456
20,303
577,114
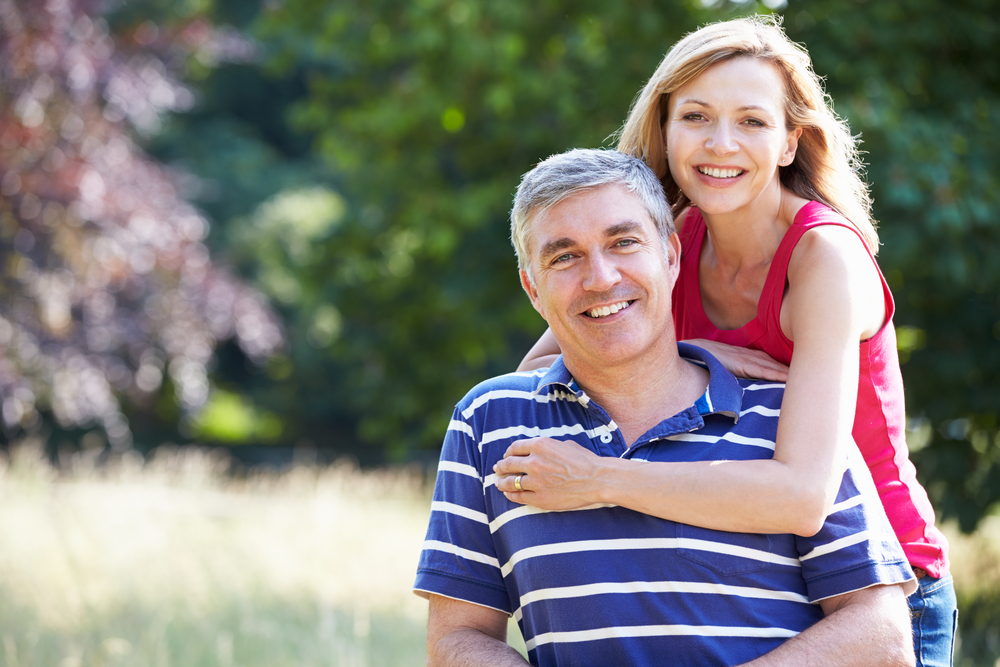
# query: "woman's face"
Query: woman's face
726,136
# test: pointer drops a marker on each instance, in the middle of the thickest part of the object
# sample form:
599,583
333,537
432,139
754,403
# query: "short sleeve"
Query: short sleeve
856,548
459,558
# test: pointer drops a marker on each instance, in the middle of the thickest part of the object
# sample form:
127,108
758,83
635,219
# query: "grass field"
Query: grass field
171,562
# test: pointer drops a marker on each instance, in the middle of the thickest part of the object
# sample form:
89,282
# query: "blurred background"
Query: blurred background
253,251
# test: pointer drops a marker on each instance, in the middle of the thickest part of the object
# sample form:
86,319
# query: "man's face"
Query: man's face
601,279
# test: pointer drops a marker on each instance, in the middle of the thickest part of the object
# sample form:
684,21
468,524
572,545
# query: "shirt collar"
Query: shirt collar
558,374
723,396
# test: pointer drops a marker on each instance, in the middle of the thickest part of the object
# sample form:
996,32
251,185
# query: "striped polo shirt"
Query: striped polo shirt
605,585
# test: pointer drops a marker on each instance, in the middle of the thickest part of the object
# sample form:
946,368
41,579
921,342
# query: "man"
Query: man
605,585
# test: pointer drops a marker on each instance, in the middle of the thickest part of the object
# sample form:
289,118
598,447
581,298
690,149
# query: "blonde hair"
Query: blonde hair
827,167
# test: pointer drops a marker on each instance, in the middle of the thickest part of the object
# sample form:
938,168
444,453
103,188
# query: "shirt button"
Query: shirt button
606,438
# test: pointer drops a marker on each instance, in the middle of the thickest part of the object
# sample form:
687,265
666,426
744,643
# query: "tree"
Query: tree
108,297
919,81
427,113
376,219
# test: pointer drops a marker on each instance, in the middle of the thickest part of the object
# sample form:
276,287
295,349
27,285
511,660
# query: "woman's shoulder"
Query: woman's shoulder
810,213
831,259
833,248
818,229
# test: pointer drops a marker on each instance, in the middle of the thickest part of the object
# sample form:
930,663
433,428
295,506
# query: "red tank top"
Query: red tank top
879,419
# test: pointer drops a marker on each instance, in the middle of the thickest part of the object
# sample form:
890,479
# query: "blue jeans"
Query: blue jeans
934,614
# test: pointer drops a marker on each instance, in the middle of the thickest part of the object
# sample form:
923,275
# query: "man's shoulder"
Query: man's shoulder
512,388
763,393
727,392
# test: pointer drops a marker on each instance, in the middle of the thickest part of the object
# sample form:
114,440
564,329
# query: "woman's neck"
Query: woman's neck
749,237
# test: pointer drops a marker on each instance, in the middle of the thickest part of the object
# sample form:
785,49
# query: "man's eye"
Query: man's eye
562,258
626,242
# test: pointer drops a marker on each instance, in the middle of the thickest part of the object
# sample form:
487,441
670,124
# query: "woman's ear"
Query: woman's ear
793,145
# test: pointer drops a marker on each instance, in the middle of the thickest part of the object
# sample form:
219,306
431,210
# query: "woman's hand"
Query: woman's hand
744,362
555,474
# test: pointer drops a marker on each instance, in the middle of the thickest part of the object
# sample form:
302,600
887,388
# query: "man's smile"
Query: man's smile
604,311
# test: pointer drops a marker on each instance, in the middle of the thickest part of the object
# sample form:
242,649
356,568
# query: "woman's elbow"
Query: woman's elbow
809,511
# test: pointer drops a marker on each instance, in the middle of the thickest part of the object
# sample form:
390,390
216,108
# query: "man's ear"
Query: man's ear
673,256
532,293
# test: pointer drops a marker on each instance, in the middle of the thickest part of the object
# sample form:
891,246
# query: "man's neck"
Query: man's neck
640,394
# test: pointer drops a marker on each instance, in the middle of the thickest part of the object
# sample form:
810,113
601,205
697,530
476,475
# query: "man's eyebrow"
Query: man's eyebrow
556,246
627,227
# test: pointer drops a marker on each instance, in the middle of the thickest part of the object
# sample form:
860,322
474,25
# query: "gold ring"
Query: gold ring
517,482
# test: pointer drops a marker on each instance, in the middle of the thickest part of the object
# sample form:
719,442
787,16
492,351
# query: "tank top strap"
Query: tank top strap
813,214
692,235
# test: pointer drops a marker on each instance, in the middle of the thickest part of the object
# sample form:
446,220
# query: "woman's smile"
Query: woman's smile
726,136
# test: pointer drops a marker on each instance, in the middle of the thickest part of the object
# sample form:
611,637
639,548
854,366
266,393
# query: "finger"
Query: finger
510,465
507,485
519,481
768,362
519,448
775,370
772,374
515,497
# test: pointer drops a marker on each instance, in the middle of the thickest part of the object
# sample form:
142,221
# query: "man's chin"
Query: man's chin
612,352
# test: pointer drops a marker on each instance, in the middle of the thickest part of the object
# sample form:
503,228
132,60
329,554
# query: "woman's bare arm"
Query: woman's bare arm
541,354
834,302
739,361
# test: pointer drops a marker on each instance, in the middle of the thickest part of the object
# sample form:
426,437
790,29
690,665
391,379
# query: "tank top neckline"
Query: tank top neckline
753,330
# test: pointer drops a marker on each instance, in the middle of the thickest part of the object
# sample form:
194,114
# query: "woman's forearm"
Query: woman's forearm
541,354
764,496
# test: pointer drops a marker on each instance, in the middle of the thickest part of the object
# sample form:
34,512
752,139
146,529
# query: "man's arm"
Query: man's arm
462,634
866,628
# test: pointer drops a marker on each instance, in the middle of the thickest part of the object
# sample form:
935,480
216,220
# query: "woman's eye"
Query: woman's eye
693,116
756,122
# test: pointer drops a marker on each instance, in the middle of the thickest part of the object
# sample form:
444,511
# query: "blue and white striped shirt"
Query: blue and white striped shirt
605,585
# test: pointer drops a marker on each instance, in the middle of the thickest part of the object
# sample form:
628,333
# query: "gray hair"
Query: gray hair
561,176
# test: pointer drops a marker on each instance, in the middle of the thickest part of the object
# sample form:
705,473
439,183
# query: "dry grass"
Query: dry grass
171,561
138,563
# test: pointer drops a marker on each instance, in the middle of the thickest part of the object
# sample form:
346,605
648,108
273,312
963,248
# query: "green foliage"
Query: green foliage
232,419
423,115
920,81
428,113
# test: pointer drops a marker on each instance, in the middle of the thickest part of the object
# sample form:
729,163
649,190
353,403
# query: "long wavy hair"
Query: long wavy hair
827,166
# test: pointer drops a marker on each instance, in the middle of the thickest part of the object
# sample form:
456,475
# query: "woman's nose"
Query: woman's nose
721,140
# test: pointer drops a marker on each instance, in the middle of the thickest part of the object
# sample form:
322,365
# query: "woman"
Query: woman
778,253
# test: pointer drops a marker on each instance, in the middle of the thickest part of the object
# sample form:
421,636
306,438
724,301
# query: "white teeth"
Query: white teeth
720,173
604,311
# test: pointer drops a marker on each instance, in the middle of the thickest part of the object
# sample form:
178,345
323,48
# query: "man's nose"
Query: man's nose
602,273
